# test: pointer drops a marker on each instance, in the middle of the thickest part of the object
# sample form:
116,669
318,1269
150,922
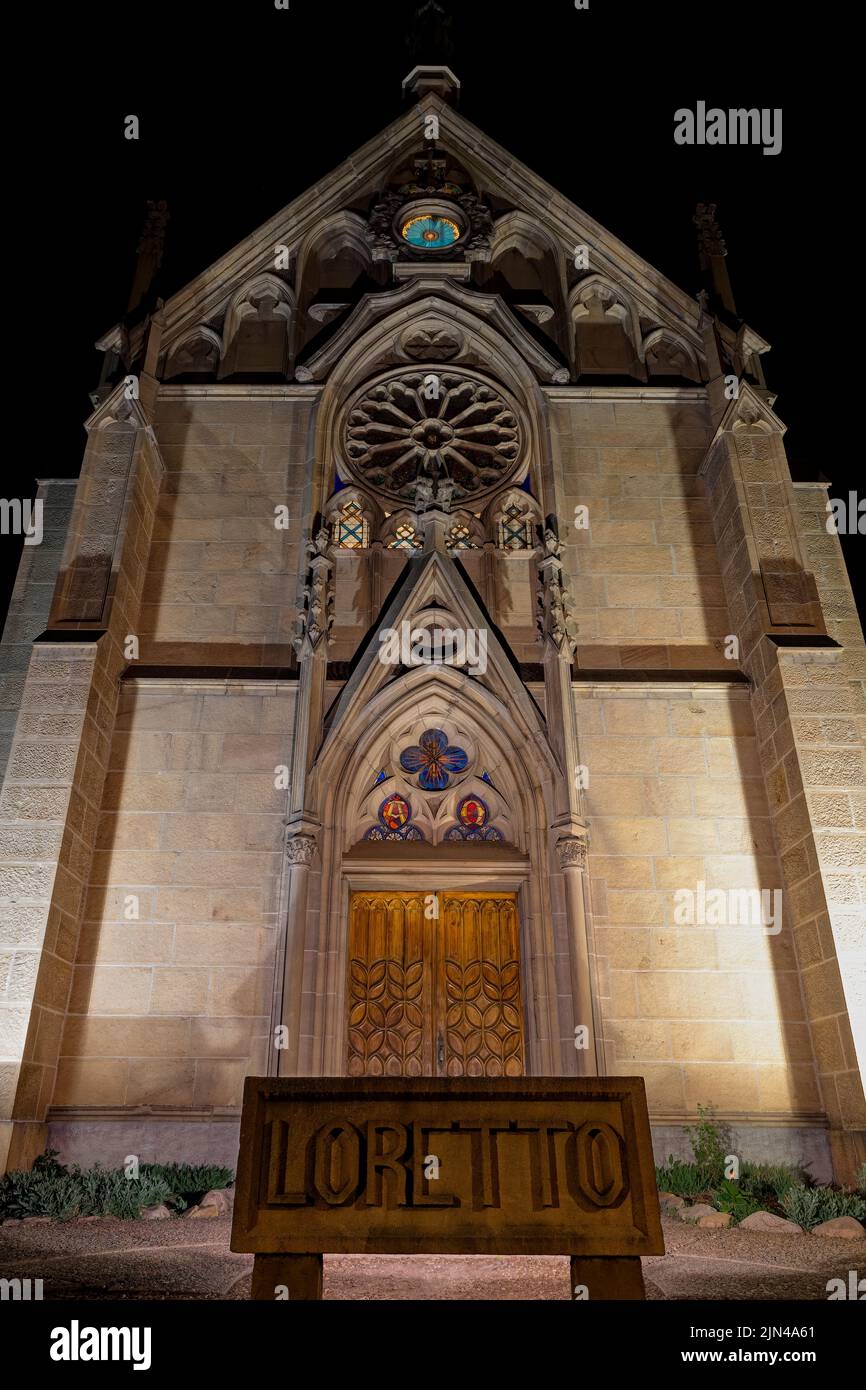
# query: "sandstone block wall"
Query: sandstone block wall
172,1008
707,1014
223,582
645,575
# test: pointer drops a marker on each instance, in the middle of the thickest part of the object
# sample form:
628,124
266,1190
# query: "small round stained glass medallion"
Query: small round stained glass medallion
430,232
472,813
395,812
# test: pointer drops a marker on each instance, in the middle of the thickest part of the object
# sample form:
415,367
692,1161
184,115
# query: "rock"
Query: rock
36,1221
772,1225
715,1220
220,1198
157,1213
671,1200
201,1213
12,1221
842,1227
694,1214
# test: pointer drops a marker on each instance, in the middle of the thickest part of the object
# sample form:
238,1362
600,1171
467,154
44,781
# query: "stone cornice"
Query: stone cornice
625,393
220,391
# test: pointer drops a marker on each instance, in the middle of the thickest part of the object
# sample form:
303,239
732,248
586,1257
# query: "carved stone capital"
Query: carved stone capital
572,852
300,849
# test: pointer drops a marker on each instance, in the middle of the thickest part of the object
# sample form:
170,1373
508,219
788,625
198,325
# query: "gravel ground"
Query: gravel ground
180,1259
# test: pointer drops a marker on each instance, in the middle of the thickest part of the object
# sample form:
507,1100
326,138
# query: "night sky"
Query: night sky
242,107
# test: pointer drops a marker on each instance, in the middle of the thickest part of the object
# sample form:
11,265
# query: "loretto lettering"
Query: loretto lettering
388,1164
446,1166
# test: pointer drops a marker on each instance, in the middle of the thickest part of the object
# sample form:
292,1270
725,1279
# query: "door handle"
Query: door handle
440,1050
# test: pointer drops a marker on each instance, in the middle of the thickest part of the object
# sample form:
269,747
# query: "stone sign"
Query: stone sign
374,1165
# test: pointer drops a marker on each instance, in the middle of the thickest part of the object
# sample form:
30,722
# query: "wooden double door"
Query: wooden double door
434,985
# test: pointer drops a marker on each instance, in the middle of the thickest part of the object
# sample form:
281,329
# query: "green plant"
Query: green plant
683,1179
767,1183
189,1180
711,1144
860,1180
730,1197
809,1206
49,1189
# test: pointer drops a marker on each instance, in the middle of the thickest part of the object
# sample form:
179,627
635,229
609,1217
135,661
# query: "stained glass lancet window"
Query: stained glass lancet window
405,538
460,538
514,530
352,529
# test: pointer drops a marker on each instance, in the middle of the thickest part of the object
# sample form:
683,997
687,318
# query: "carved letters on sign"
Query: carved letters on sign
382,1164
446,1165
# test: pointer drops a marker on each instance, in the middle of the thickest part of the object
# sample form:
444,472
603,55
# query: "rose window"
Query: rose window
443,425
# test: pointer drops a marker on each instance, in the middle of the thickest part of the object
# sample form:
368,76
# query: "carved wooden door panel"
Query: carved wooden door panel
391,994
434,992
480,976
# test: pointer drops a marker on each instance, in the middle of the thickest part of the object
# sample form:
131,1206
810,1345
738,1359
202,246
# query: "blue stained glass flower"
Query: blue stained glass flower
434,760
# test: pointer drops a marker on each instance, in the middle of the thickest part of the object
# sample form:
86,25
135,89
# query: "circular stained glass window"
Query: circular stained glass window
395,812
430,232
472,813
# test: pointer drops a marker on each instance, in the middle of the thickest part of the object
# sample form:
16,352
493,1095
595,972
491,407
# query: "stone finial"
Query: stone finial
710,239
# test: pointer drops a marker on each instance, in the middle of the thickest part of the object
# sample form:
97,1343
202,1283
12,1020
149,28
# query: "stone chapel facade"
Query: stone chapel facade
251,824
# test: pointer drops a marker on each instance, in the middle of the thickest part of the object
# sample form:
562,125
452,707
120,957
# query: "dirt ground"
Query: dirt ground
180,1259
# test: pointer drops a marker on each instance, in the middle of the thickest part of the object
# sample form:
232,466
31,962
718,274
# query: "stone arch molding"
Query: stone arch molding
473,718
467,343
434,813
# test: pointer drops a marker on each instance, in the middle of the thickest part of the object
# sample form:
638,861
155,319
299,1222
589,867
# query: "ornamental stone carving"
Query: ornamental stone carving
317,615
447,425
555,603
300,849
572,853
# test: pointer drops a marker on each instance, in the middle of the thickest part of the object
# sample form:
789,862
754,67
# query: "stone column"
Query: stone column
287,1011
572,862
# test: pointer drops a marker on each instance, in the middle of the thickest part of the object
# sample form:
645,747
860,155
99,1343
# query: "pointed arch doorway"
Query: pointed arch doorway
433,985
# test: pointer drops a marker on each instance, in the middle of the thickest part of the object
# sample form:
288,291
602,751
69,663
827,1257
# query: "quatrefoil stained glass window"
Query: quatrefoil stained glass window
434,760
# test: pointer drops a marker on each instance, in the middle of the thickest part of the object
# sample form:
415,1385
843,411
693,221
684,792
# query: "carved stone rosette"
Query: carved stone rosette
554,601
317,618
572,852
380,229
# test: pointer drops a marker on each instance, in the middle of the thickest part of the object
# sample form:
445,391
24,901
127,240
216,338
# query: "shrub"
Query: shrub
809,1206
189,1181
683,1179
767,1183
711,1143
860,1180
730,1197
50,1189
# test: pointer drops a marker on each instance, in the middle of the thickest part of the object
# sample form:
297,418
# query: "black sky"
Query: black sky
242,107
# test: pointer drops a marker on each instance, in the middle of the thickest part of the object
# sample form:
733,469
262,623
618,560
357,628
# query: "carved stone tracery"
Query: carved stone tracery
445,425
